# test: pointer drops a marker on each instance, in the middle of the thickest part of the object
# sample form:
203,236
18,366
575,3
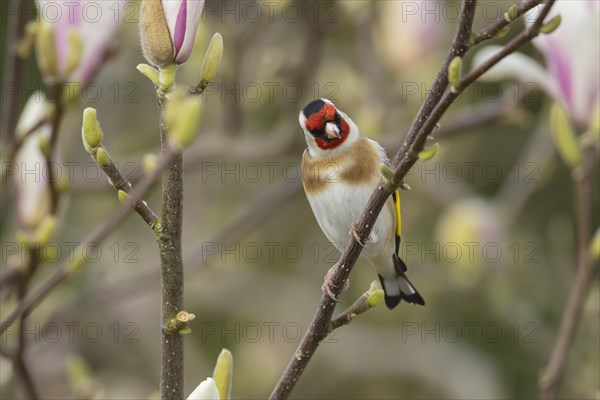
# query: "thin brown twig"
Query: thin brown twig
13,69
65,271
20,361
436,103
490,31
50,155
119,182
360,306
554,372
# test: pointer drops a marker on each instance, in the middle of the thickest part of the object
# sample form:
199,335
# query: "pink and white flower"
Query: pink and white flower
30,174
168,29
94,21
572,59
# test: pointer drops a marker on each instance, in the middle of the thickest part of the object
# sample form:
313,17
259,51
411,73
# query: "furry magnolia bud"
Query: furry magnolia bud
168,29
46,50
91,134
212,59
156,39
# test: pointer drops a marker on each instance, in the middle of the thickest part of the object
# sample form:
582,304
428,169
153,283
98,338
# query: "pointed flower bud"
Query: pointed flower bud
102,157
429,153
75,51
512,13
123,196
149,162
375,294
455,73
149,72
387,173
565,139
91,133
168,29
45,50
212,59
551,25
182,116
46,229
223,374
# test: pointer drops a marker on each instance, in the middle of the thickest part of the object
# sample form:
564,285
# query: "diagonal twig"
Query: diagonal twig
33,298
436,103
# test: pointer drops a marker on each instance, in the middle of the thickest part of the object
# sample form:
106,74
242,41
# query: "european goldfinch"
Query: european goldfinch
340,171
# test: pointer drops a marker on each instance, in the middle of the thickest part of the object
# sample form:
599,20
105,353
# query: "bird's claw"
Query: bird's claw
354,233
328,285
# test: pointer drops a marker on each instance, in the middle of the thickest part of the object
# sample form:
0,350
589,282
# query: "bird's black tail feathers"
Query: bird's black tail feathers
400,288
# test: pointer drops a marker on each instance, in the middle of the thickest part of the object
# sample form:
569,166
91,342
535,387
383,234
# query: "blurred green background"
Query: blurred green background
488,225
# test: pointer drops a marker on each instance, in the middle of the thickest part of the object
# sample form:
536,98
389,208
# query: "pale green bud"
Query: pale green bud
91,133
46,49
375,298
429,153
102,157
455,73
75,50
123,196
387,173
503,32
183,118
167,76
512,13
149,162
212,59
186,330
565,138
46,229
223,374
150,72
551,25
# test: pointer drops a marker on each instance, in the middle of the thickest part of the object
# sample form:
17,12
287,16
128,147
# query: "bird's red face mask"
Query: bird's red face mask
326,124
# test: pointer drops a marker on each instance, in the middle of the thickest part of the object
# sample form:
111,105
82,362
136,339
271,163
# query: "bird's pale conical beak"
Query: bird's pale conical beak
332,131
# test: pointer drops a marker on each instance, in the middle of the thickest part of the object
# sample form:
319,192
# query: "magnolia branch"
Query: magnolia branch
169,243
34,298
436,104
119,182
550,381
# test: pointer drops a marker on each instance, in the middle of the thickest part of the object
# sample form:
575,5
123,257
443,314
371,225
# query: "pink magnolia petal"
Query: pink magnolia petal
180,27
183,18
572,54
95,21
